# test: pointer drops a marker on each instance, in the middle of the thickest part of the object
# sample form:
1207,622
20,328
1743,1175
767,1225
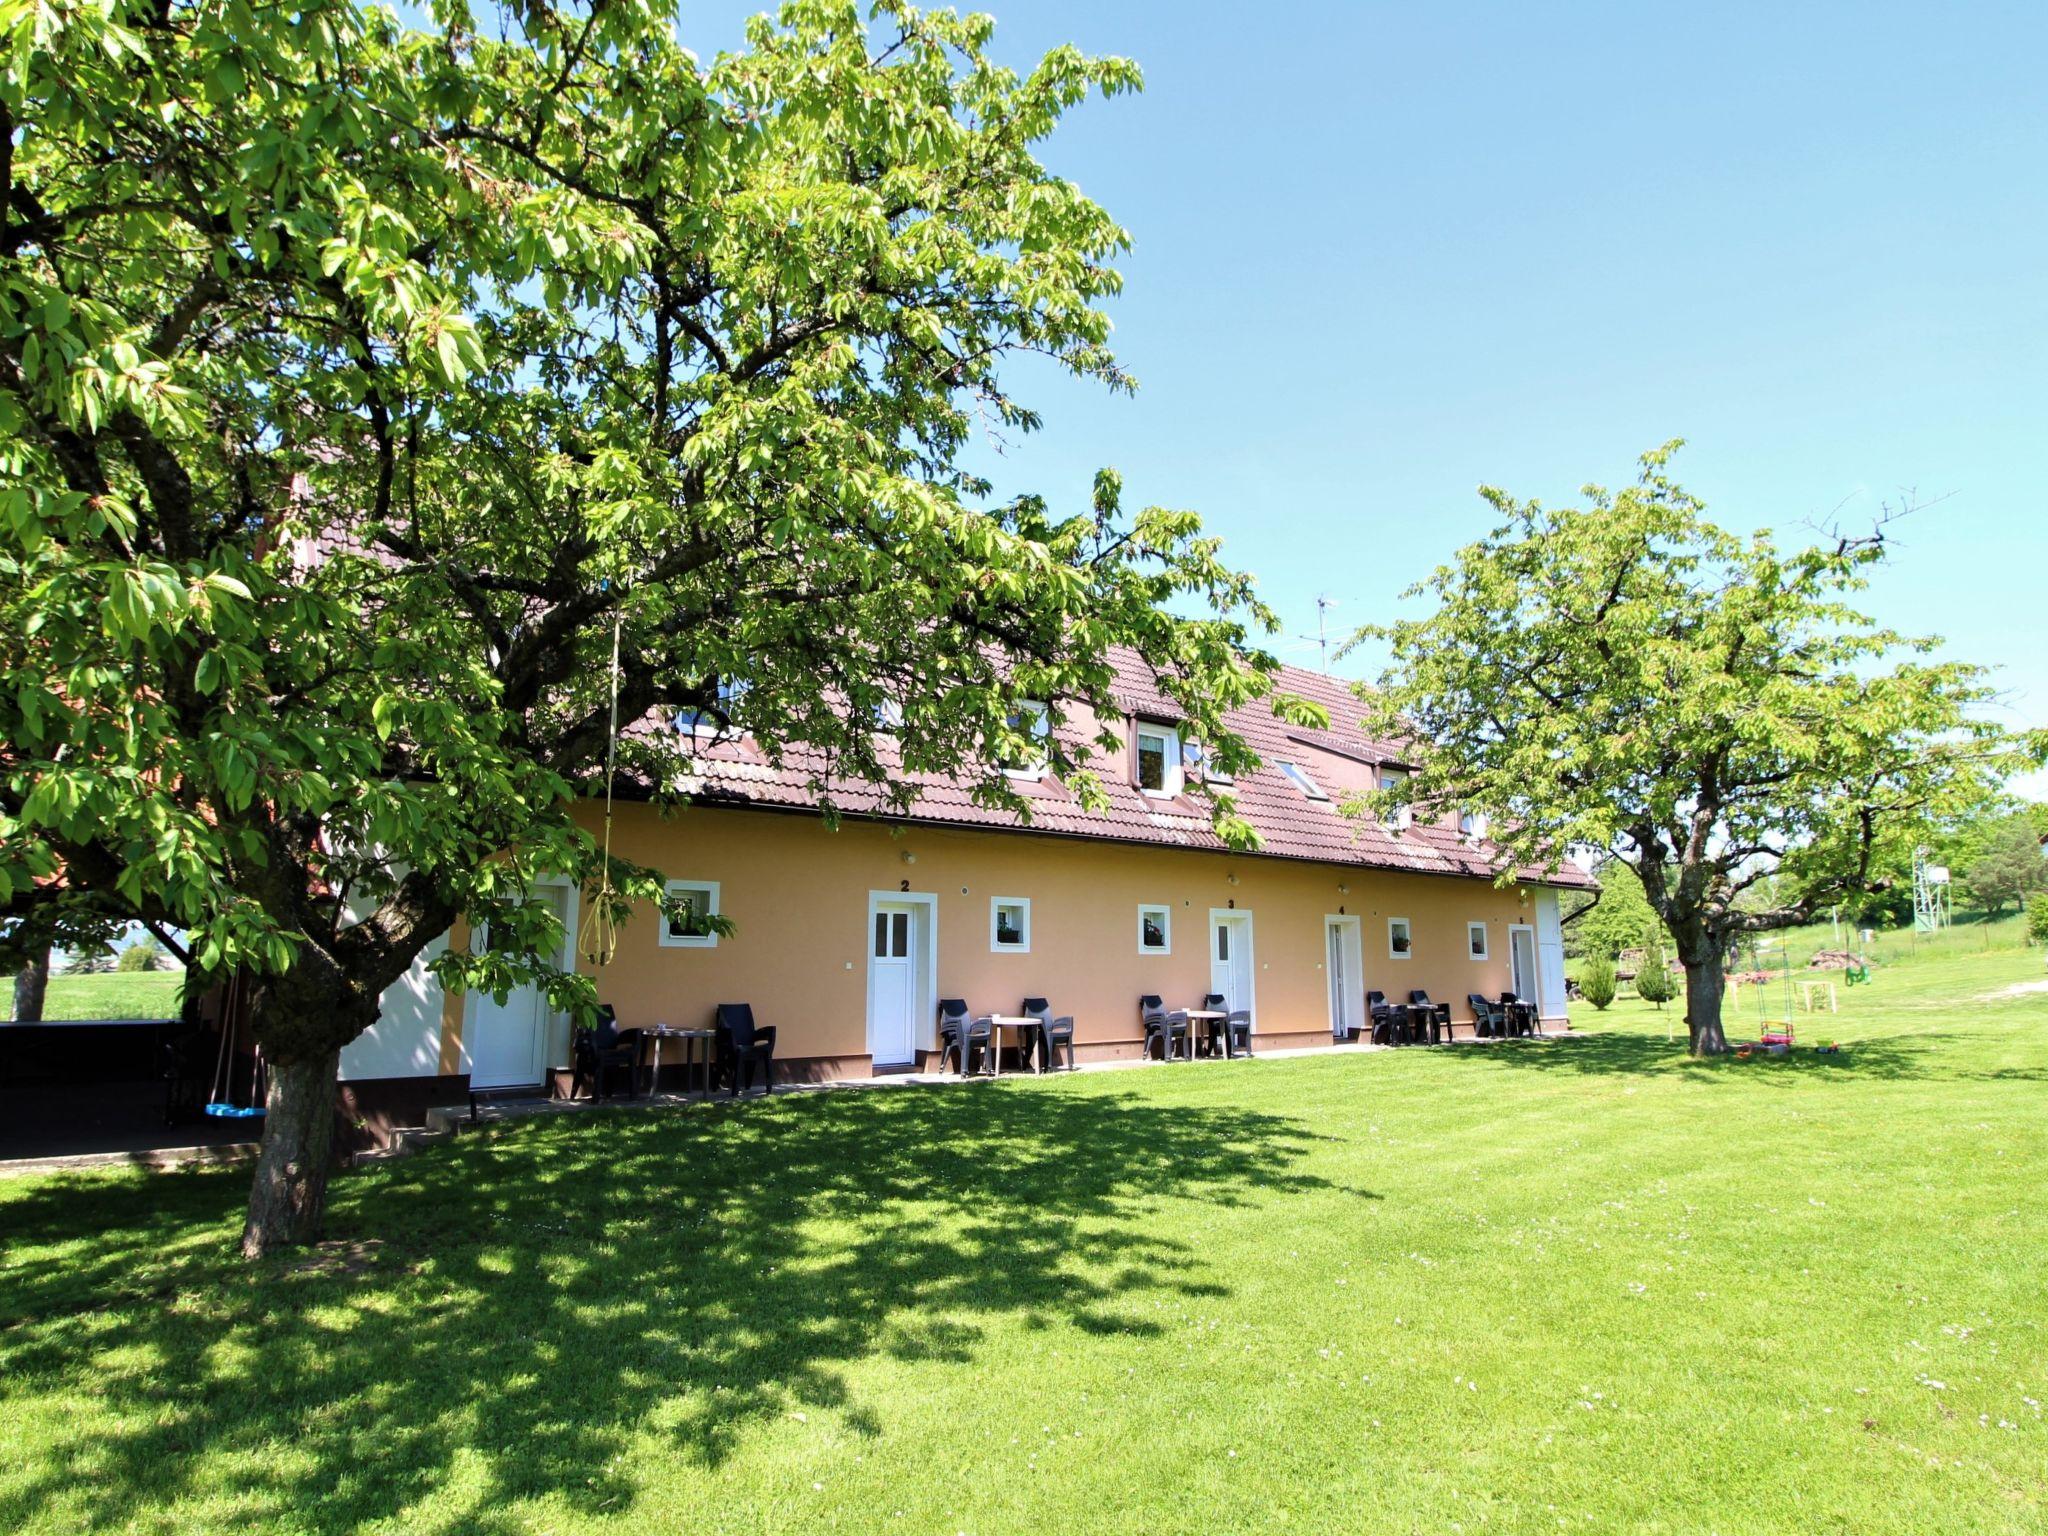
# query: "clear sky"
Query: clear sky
1385,253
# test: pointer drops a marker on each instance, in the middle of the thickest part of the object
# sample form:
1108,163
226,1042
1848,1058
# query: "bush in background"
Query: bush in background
2037,917
1654,983
1596,980
142,955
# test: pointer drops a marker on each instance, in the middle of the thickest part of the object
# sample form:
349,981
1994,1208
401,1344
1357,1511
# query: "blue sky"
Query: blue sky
1387,253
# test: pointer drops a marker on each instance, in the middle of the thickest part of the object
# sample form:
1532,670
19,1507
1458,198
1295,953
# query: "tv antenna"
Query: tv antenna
1321,638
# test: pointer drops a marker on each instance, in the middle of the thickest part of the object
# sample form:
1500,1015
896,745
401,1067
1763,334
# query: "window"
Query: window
1471,826
1156,749
892,935
690,902
1298,776
1029,718
1196,765
1393,778
707,722
887,715
1475,940
1400,939
1009,924
1155,930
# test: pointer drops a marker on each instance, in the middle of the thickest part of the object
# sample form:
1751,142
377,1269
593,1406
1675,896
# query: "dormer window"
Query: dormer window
1298,776
887,716
1029,717
1402,816
1155,751
1471,825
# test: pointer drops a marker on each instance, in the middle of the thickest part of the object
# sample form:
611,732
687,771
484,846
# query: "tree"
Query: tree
362,387
31,988
1653,978
2037,917
2008,867
1596,980
1620,919
142,955
1707,710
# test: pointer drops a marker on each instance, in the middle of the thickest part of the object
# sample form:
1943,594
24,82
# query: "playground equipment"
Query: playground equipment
1931,911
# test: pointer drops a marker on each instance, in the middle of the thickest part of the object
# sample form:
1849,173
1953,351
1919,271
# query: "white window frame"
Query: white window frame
995,906
1303,780
1472,825
1404,815
1170,774
1393,952
1043,732
1196,763
1165,915
1485,949
671,940
886,718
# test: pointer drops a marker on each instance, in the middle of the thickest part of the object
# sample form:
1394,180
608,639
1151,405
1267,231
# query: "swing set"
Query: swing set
220,1099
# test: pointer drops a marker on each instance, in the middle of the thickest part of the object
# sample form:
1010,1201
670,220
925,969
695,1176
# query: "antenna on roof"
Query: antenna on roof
1321,638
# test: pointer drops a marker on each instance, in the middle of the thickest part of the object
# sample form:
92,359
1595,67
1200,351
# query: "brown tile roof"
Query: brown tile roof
1290,823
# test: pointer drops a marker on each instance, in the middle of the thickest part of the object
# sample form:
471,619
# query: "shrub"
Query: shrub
2037,917
1653,982
139,956
1596,980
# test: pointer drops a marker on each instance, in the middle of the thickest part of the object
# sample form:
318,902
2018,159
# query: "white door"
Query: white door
1522,961
508,1040
892,984
1347,1000
1230,958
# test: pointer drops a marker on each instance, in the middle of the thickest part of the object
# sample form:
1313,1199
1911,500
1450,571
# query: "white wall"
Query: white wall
1549,956
406,1039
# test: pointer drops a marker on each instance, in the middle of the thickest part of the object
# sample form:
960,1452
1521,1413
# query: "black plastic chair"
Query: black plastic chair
1207,1034
1163,1027
600,1051
1389,1020
1052,1033
744,1046
1435,1017
1521,1015
960,1035
1237,1033
1488,1021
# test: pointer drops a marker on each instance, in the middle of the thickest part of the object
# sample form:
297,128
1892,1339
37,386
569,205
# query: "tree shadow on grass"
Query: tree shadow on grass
501,1315
1920,1056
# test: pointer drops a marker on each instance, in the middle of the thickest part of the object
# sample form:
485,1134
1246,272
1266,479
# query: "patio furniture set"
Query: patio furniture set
1034,1034
735,1052
1420,1021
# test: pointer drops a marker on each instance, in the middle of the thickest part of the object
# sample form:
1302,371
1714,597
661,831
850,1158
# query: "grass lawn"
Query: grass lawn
1581,1286
111,995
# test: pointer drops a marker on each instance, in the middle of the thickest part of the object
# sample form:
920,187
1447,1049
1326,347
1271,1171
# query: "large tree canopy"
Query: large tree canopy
1707,710
360,384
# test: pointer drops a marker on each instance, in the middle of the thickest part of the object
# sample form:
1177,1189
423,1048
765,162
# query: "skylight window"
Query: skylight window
1298,776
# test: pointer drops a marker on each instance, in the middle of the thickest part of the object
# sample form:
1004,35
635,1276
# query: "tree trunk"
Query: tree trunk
1705,981
29,988
288,1199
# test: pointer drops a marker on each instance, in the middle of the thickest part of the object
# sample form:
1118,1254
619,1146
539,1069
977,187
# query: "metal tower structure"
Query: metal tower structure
1930,894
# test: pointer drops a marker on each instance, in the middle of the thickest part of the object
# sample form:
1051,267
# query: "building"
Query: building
845,939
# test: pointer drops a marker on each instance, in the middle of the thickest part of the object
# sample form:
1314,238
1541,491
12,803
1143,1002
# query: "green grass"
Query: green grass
1587,1285
112,995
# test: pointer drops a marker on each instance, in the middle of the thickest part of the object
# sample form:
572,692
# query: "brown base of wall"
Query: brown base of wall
369,1110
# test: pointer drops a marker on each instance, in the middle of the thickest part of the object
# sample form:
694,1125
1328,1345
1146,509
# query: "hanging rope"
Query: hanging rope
599,940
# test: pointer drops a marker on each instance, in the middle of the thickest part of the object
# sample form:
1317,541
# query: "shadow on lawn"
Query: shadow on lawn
1921,1056
501,1315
